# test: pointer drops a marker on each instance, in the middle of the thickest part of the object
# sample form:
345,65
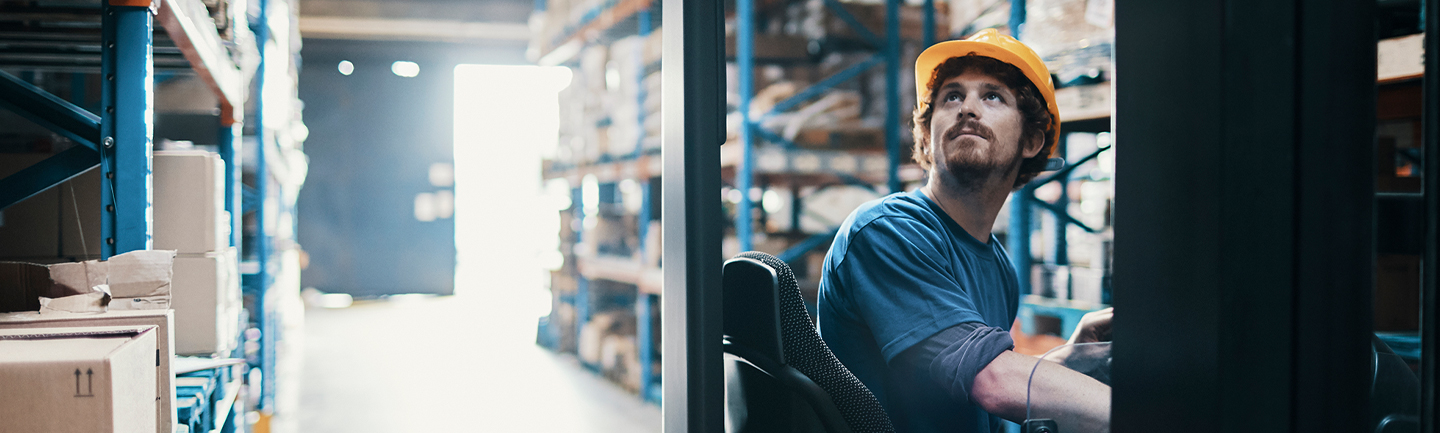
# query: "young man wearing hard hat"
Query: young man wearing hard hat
917,297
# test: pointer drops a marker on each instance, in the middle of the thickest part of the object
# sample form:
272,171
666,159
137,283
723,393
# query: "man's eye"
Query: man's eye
952,97
993,96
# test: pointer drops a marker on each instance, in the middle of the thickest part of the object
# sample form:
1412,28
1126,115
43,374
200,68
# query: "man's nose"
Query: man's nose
970,107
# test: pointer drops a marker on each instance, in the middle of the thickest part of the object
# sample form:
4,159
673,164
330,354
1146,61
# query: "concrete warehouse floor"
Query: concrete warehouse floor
455,363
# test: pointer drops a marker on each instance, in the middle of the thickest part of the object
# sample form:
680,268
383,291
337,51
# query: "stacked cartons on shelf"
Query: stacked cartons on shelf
190,218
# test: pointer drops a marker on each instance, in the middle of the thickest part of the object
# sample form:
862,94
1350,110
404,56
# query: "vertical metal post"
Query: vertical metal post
642,19
745,62
229,144
644,333
644,336
1018,239
1430,306
796,205
694,128
269,332
127,77
1061,255
1017,17
892,94
582,284
929,37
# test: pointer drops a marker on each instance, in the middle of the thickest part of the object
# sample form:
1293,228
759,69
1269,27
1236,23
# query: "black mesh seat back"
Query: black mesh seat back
807,353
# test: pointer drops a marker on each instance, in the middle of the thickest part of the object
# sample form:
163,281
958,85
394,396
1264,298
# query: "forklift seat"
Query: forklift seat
766,327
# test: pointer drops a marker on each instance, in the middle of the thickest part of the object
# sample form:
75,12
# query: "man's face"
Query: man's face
975,130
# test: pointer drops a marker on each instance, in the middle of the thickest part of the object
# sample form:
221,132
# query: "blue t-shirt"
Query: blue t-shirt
901,270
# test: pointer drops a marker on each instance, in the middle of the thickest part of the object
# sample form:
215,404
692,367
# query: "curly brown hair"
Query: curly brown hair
1033,110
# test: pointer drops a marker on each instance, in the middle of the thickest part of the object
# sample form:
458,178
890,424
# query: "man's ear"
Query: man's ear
1032,144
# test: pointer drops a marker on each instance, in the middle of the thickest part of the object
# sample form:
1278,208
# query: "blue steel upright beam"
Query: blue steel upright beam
892,93
929,37
127,78
644,333
269,329
1017,17
642,18
229,140
1061,254
1018,239
745,62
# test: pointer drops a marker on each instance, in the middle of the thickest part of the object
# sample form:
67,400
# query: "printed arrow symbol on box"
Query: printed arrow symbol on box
89,382
77,382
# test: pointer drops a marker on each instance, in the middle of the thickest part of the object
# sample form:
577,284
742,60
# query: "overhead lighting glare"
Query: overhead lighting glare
405,69
346,68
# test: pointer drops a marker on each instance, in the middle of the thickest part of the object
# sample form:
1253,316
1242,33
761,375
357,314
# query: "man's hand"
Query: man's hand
1094,327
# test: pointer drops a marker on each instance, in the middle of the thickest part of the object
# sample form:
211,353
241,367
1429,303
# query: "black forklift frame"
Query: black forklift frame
1247,203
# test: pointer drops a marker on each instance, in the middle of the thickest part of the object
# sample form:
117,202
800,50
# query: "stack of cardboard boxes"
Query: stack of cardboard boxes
183,298
190,218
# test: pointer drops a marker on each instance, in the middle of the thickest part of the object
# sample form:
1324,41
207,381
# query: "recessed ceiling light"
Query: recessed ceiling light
405,69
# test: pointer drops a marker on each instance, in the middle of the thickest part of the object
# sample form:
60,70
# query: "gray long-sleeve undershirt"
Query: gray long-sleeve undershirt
955,355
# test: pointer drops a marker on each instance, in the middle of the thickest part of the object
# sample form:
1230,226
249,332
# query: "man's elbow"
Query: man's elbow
999,388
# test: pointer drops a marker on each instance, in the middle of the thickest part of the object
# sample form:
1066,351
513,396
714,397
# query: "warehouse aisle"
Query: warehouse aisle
456,363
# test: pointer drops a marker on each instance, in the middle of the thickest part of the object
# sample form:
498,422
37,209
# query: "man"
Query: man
917,296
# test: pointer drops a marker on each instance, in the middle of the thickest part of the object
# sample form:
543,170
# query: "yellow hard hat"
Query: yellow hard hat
990,43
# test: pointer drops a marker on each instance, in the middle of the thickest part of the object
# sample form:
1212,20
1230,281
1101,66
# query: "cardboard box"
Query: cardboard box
1087,285
80,380
619,360
189,202
205,293
162,320
136,280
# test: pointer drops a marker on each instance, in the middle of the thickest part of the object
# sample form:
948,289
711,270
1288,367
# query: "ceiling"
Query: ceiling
464,21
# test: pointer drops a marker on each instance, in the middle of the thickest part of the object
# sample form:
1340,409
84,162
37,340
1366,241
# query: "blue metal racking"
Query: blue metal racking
619,16
889,55
119,140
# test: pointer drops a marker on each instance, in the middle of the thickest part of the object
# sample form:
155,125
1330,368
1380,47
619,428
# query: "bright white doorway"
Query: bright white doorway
506,228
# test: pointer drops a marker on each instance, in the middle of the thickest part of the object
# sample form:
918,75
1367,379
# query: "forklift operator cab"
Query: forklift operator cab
781,377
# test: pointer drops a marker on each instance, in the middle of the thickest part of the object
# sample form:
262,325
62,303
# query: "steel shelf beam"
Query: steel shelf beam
195,36
818,88
1022,223
49,111
46,174
854,23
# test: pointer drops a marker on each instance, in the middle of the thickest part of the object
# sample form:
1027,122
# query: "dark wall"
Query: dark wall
373,137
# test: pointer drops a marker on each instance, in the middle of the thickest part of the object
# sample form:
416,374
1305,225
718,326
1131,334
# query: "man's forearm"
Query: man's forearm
1076,402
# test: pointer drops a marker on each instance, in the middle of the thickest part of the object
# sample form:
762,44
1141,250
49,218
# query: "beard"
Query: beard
967,169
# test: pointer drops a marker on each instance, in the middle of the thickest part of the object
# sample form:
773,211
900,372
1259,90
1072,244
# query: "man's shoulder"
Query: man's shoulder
901,209
886,220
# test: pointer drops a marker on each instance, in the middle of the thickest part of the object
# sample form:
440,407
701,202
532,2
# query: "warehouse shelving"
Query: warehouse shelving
119,41
780,162
746,164
601,24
